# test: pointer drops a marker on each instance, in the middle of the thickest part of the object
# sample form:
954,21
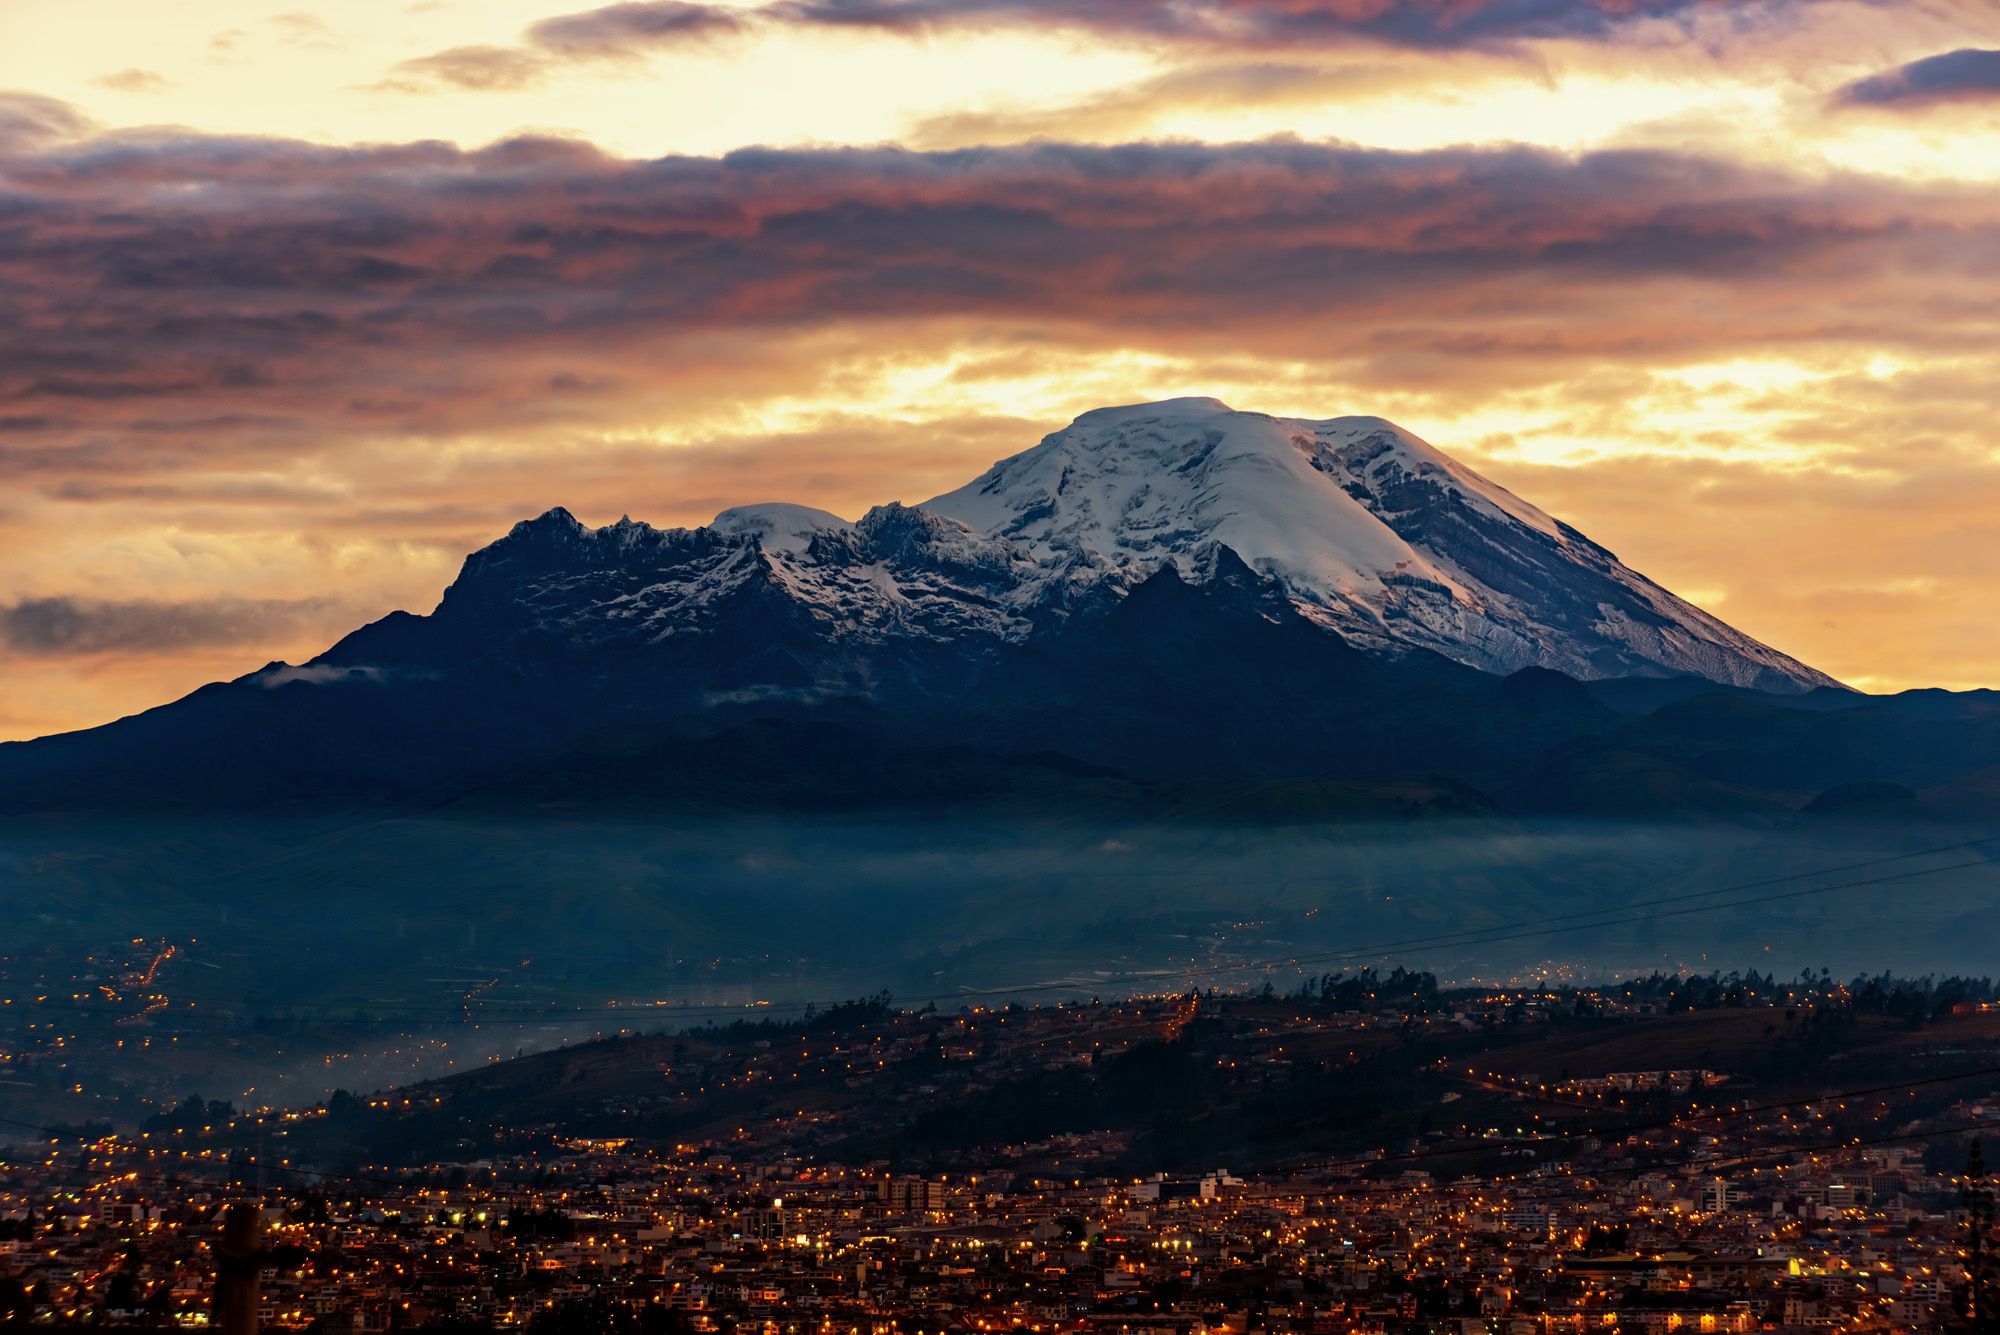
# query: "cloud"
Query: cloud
1132,112
482,69
315,675
135,81
621,32
304,30
765,695
224,46
1270,29
182,294
1239,25
71,627
627,29
29,121
1274,24
1965,75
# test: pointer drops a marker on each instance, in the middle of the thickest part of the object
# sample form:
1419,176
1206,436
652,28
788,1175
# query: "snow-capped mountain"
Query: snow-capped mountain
1372,534
559,585
1375,534
1158,594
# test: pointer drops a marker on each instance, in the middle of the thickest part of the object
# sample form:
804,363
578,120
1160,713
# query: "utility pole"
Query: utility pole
238,1258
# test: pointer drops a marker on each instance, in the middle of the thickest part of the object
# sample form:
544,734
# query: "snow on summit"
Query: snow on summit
779,526
1156,479
1375,534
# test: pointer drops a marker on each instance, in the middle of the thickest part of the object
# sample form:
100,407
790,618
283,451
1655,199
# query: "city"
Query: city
837,1173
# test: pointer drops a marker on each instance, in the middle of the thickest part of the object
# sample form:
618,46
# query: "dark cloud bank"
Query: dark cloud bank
173,293
637,27
1969,74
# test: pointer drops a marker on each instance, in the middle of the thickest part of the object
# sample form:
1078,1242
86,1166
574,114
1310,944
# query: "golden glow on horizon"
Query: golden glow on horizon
1859,461
917,409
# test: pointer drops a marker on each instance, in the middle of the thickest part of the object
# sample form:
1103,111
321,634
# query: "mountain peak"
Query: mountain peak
1374,533
555,519
1353,523
778,525
1151,482
1192,406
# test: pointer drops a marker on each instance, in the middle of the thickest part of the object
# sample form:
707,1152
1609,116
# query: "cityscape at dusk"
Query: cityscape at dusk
972,667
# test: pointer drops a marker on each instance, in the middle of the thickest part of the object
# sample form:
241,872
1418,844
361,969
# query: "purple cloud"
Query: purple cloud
635,27
180,296
624,29
1969,74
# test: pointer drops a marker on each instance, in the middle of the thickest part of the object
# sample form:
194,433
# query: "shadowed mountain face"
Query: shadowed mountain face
1171,593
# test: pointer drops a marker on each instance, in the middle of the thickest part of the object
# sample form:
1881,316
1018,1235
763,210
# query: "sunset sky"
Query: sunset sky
302,305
